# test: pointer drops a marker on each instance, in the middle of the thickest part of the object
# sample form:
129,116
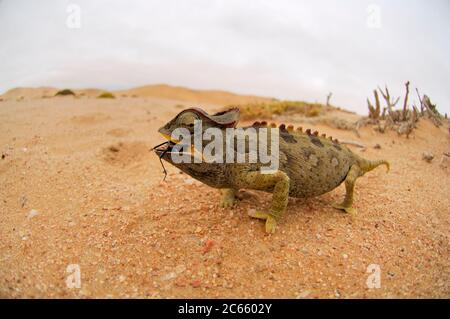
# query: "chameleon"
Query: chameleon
309,164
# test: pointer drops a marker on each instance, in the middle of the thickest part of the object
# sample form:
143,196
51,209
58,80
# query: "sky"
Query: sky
288,49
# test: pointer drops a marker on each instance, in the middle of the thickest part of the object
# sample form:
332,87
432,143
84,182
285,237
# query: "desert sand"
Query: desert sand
79,185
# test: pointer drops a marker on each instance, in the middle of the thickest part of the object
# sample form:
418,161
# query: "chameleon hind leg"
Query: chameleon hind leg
228,197
350,180
278,182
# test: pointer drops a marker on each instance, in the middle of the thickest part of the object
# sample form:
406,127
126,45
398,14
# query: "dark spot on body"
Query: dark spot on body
336,146
315,140
288,138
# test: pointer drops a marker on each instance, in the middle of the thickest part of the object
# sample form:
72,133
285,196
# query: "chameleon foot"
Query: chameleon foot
228,198
349,210
271,222
227,202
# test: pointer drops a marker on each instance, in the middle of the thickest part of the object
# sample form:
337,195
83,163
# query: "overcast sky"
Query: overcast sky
286,49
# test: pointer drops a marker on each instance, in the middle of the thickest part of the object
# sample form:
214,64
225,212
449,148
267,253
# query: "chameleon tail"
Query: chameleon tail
367,165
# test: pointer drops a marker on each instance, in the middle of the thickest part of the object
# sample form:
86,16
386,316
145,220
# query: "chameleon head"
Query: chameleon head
195,121
188,118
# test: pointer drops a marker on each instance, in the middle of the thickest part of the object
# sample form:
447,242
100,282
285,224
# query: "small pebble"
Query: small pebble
427,156
32,213
208,245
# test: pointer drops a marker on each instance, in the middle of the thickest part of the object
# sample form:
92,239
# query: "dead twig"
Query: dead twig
405,102
329,98
432,113
353,143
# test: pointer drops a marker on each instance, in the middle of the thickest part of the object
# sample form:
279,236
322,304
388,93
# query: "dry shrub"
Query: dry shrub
106,95
267,110
65,92
404,120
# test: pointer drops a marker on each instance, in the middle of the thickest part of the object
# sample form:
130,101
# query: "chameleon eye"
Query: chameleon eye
187,119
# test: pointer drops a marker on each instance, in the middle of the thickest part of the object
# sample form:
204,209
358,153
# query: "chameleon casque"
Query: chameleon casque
309,164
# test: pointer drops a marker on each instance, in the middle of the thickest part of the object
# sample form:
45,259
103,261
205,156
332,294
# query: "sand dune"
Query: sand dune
161,91
195,96
29,93
44,92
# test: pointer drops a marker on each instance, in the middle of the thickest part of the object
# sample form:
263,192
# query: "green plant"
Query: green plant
106,95
65,92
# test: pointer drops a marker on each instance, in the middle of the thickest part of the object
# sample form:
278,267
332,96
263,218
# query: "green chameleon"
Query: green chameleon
309,164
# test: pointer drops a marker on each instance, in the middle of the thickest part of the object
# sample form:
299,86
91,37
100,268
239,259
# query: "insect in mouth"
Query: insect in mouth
162,152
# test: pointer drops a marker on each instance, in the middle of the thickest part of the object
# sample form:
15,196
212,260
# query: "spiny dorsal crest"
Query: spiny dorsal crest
290,128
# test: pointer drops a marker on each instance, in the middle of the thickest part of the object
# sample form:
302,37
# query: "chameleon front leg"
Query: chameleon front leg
350,180
228,197
279,183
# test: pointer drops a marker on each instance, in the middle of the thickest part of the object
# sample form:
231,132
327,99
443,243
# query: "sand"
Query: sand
80,186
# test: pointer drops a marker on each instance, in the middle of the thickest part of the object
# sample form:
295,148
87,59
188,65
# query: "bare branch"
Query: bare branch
352,143
405,102
431,111
395,102
329,98
420,100
377,103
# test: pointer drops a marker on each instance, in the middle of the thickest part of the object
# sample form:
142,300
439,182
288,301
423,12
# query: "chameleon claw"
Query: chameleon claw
349,210
271,222
271,225
228,199
227,203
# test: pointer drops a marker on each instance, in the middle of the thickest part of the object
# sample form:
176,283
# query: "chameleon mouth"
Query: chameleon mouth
167,148
163,148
